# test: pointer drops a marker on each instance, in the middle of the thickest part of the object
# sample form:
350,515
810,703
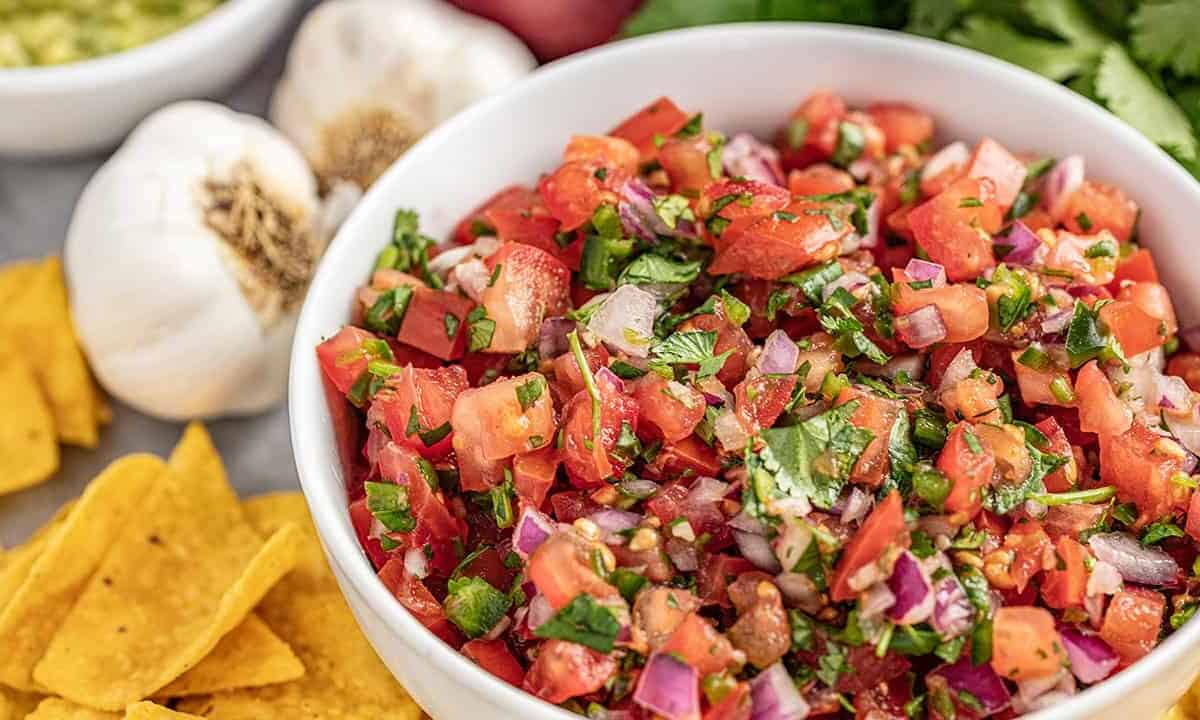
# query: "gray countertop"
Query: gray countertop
36,199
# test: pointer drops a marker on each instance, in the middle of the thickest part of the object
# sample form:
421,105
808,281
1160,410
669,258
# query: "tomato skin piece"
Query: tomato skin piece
760,399
590,463
754,198
1138,465
493,418
948,231
696,642
1187,366
882,527
666,409
513,197
1132,622
992,160
431,393
1100,410
1138,266
819,179
522,226
1065,588
685,161
529,286
1035,384
689,454
615,154
400,465
561,569
571,194
772,246
494,656
964,308
425,326
534,473
661,117
969,472
1134,328
716,573
341,357
1025,643
564,670
821,111
901,123
878,415
1153,300
1106,207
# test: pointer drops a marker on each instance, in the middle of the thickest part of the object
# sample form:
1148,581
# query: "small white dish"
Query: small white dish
91,105
743,77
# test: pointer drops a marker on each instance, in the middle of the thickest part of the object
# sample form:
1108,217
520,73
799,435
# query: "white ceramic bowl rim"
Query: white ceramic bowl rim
326,496
223,22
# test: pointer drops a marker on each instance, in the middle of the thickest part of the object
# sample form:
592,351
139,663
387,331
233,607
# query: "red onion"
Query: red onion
935,525
919,270
958,370
746,156
921,327
956,153
1174,393
953,614
1042,692
799,591
1056,322
415,562
1191,337
911,364
1104,579
746,523
874,220
849,282
638,217
1091,658
471,277
669,688
705,492
780,355
774,696
638,488
757,550
1185,429
552,337
791,542
1060,184
914,594
612,521
858,504
610,378
531,531
683,555
1026,247
1145,565
877,600
979,680
540,610
625,320
713,400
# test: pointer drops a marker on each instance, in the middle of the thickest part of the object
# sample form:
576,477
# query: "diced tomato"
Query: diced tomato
1133,622
935,184
508,417
1140,464
716,573
436,322
591,460
877,415
667,409
616,155
348,433
567,377
667,503
1072,519
1065,477
341,357
820,112
527,285
869,670
1135,329
1035,384
688,455
775,245
964,308
572,193
402,466
564,670
736,705
1038,219
522,226
513,197
1097,206
987,355
953,227
1064,586
1100,410
1138,266
570,505
819,179
1193,517
494,656
991,160
1025,644
417,402
882,527
1187,366
534,473
730,337
969,470
753,198
561,568
417,599
685,161
902,124
760,399
661,118
696,642
1154,300
362,520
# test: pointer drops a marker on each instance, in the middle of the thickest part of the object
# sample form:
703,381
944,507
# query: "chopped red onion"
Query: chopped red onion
1145,565
757,550
447,259
540,610
415,563
552,337
877,600
705,492
979,680
858,504
1060,184
921,327
953,614
919,270
729,430
1024,245
683,555
625,320
874,221
746,156
780,356
531,531
472,278
1042,692
849,282
608,377
959,369
638,487
1104,579
612,521
791,542
1057,321
956,153
913,591
669,688
638,216
744,522
774,696
1091,658
1185,429
1174,394
799,590
713,400
937,525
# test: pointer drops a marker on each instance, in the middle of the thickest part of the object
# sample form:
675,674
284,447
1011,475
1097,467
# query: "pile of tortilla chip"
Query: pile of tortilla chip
159,594
47,395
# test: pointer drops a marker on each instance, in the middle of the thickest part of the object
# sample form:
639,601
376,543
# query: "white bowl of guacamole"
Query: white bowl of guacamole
77,75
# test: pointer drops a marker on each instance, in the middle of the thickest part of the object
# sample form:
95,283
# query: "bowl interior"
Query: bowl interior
743,77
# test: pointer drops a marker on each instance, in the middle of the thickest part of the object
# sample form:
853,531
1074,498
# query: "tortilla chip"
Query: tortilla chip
187,569
59,709
19,560
249,656
38,322
16,705
28,448
345,680
14,278
150,711
72,554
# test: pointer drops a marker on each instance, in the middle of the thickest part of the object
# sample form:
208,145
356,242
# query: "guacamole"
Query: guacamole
52,32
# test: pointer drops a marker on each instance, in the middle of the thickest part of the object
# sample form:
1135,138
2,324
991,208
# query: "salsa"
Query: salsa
841,424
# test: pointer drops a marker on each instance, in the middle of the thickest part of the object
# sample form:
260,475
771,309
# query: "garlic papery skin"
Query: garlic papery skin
367,78
187,260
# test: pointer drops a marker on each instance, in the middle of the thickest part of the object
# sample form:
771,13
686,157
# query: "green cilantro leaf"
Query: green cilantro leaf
672,208
1160,530
1164,35
1070,21
480,329
813,280
529,392
582,621
650,268
686,348
1135,98
1057,61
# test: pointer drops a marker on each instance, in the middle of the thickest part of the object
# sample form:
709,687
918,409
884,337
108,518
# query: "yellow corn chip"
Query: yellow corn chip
28,448
150,711
249,656
72,554
187,569
14,278
16,705
19,560
37,320
59,709
345,680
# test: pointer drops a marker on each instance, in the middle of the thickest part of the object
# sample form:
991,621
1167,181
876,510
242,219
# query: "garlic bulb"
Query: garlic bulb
366,78
188,257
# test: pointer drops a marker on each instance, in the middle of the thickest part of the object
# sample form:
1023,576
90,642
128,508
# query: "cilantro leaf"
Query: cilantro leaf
659,15
529,392
812,459
813,280
837,318
1160,530
1164,35
649,268
932,18
1056,60
1070,21
582,621
1135,98
686,347
1005,497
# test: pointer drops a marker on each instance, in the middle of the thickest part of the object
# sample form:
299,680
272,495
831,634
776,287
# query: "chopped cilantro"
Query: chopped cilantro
851,140
529,392
650,268
1160,530
582,621
813,280
480,329
387,313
